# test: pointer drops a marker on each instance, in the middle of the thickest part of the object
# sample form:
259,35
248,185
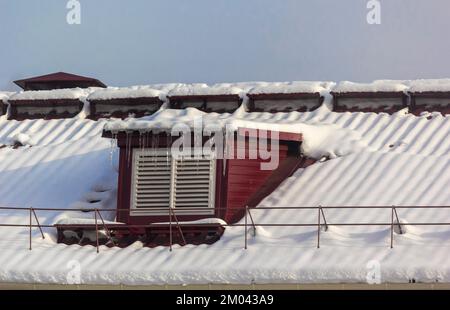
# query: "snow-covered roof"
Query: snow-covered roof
124,92
201,89
240,88
291,87
375,86
377,159
69,93
5,95
437,85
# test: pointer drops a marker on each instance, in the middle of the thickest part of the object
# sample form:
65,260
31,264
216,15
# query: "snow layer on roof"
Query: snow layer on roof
239,88
5,95
319,139
395,159
68,93
124,92
200,89
291,87
375,86
442,85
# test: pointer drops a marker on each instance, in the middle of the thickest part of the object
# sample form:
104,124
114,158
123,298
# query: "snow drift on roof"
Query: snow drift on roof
375,86
240,88
200,89
5,95
291,87
124,92
438,85
68,93
320,140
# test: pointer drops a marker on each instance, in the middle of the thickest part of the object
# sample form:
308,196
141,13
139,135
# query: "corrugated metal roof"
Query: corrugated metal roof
406,162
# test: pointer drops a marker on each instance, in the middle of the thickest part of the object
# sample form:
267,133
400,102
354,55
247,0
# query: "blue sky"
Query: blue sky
156,41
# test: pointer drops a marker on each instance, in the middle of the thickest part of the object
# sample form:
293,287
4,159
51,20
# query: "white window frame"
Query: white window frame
210,210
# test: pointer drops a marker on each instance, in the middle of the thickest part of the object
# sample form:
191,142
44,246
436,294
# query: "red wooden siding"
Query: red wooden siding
244,179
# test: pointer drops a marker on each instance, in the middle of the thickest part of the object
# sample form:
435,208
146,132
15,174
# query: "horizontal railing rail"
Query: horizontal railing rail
248,220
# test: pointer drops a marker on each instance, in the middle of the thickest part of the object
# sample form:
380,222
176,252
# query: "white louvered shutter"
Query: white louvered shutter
159,181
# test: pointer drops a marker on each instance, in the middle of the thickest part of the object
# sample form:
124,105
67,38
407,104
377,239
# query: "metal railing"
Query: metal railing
247,218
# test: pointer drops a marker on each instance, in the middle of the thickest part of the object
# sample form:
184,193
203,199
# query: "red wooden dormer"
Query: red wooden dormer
151,180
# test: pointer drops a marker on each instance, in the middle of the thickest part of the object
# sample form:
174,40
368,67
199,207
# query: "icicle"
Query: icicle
168,145
112,148
156,141
141,145
182,153
144,142
197,144
225,152
128,148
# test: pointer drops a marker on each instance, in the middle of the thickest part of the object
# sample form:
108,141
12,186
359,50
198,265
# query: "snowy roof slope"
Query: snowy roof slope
442,85
377,160
204,90
5,95
124,92
291,87
238,88
69,93
375,86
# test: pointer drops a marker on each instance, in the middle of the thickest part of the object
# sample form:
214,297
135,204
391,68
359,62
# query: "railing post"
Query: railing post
400,230
324,219
179,228
392,227
245,227
96,231
31,223
318,228
253,222
39,225
105,227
